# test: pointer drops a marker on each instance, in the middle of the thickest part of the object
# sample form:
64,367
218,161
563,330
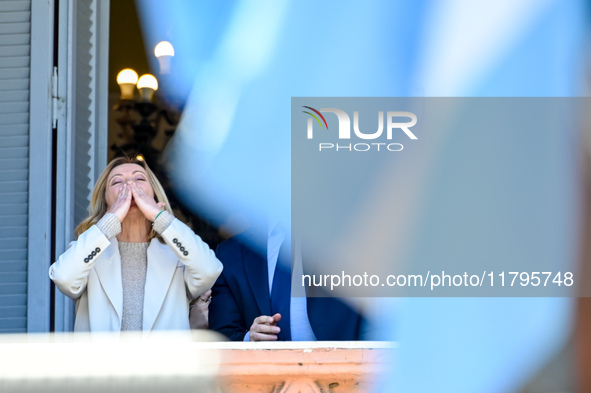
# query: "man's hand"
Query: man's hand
264,328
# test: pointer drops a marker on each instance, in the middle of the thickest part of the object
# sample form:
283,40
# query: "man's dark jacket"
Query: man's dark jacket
241,294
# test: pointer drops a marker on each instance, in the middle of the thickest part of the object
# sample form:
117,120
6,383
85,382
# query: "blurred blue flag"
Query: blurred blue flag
239,63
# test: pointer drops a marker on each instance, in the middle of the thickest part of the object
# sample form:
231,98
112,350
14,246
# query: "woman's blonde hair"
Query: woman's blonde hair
98,204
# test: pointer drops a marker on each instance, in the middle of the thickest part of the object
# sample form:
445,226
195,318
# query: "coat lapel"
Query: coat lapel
108,270
255,266
159,274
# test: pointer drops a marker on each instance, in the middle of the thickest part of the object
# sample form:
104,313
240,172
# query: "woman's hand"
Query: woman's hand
199,312
148,206
121,205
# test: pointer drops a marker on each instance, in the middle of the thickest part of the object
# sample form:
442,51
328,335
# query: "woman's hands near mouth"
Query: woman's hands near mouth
147,205
121,206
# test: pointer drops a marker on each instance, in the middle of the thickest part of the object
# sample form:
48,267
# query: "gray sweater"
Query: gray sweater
134,263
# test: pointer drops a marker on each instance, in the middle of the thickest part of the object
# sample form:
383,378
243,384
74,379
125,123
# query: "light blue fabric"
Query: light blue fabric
239,125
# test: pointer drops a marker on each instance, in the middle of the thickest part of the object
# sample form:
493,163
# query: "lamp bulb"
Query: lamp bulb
163,48
127,75
148,81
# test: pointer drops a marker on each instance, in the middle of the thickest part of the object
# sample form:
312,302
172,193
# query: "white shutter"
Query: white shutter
26,143
15,38
82,128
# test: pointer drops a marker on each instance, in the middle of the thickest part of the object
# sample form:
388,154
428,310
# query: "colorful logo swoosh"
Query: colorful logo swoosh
314,116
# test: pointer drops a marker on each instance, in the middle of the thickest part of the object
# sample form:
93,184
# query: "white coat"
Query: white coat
177,272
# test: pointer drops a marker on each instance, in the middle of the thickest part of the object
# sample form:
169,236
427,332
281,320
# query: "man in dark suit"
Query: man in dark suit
246,306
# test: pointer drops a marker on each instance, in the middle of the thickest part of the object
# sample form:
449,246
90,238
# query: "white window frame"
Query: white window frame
64,312
40,168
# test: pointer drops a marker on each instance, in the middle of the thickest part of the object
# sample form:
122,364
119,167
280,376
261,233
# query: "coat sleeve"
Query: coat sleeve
225,315
70,271
202,267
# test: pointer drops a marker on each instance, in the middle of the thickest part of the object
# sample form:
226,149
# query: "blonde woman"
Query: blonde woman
134,266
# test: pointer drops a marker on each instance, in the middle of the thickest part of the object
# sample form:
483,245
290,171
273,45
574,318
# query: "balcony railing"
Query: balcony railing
179,362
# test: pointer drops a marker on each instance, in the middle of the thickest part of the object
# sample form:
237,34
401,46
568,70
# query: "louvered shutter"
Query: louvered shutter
82,132
87,96
84,105
28,165
15,38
